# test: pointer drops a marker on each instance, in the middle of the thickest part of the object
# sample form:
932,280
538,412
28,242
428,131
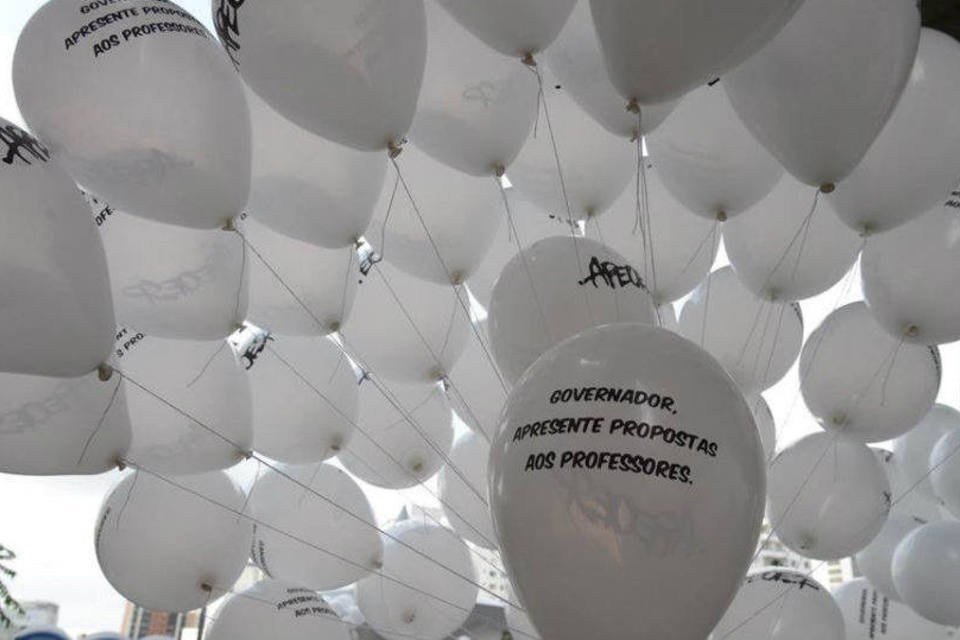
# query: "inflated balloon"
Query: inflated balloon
173,545
165,129
397,602
517,28
308,187
945,471
828,497
189,403
56,316
531,222
345,604
684,245
628,495
476,389
56,426
870,615
305,400
463,491
783,248
292,275
910,167
904,271
766,425
172,282
926,572
875,560
476,107
402,439
657,52
555,289
316,530
596,165
913,450
860,382
347,71
819,93
906,501
781,604
708,160
273,608
576,59
756,341
461,214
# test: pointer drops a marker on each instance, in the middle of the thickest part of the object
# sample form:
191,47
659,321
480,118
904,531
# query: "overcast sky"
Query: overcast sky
49,521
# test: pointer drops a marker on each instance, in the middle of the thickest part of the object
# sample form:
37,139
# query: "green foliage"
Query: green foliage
8,604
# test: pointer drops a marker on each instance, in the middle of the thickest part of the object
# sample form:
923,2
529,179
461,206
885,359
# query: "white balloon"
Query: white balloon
461,214
272,608
293,275
766,425
56,426
945,471
476,107
596,165
403,438
577,61
684,245
189,403
170,281
875,560
395,601
707,158
905,272
820,92
515,28
912,450
305,400
462,485
316,529
345,604
756,341
56,316
308,187
555,289
926,572
656,52
405,329
781,604
911,166
783,248
173,545
828,497
141,105
348,71
631,499
860,382
870,615
906,501
476,389
531,223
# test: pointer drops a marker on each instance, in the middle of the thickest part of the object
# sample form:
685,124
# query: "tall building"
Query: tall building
834,573
772,553
139,622
35,614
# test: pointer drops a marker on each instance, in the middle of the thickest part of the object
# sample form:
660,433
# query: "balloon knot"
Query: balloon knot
417,466
911,331
528,59
633,106
229,225
456,278
206,587
634,135
395,148
827,187
839,419
721,216
866,230
336,444
499,170
409,617
121,464
377,563
104,372
244,455
334,326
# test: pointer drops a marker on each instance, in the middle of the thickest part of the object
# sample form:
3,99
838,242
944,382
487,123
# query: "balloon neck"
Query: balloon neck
230,225
911,331
409,616
773,295
206,587
395,148
499,170
121,464
456,278
721,216
529,60
104,372
867,229
377,564
827,187
333,326
838,419
417,466
336,444
633,107
244,455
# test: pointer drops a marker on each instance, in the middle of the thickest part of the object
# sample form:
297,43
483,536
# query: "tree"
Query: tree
8,605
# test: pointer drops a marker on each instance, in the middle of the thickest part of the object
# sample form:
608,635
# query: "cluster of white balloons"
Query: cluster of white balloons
328,236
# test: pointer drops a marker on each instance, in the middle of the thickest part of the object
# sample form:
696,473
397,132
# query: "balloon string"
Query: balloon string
454,278
776,340
100,423
206,365
524,262
386,218
347,274
802,231
703,243
240,286
761,308
281,472
886,377
706,305
563,184
644,210
380,388
344,559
